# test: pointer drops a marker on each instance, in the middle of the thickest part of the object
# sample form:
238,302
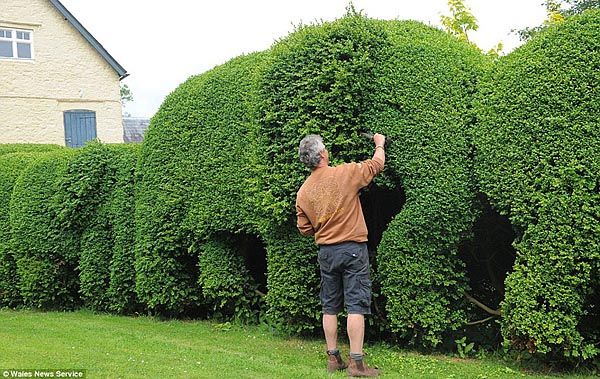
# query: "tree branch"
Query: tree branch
481,321
489,310
259,293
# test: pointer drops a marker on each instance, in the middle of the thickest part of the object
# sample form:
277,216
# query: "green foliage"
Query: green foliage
463,348
195,178
11,165
557,11
319,80
293,280
461,20
45,253
537,160
426,106
26,147
125,93
96,204
227,286
580,6
336,79
83,192
121,290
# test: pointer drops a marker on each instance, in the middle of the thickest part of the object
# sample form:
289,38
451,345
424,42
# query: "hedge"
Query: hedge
226,284
121,290
27,148
195,178
220,156
46,254
537,159
11,165
415,84
96,203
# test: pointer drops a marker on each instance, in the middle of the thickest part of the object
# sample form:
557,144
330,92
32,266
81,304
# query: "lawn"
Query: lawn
126,347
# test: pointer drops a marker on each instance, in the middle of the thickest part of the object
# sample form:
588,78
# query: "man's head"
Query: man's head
312,152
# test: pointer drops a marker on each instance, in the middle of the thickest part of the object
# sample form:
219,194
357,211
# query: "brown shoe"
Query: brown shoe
335,363
360,369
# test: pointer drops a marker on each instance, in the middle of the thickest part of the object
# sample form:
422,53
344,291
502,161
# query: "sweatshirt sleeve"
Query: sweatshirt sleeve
363,173
303,223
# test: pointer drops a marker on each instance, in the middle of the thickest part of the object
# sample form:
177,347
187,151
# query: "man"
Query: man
328,207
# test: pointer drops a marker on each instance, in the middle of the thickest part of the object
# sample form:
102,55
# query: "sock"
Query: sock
356,356
335,352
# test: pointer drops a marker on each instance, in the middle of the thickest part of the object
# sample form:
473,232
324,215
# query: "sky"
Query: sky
162,43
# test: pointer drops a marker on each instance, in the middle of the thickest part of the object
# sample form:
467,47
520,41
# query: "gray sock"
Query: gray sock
356,356
335,352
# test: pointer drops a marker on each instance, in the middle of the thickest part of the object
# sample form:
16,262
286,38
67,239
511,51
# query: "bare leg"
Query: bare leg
356,332
330,329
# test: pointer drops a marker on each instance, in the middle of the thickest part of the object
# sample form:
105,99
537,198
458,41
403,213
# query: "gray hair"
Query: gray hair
310,150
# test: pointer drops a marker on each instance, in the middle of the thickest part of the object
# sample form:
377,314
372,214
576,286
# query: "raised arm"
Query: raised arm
379,140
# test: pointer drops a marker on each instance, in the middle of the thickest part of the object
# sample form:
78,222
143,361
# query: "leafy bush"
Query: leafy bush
424,103
195,178
293,281
413,83
221,156
45,253
27,148
11,165
226,284
537,160
97,177
318,80
121,290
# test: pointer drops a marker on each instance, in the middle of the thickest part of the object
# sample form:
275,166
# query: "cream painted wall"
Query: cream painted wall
66,73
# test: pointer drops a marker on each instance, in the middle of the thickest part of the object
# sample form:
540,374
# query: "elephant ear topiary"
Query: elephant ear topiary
538,160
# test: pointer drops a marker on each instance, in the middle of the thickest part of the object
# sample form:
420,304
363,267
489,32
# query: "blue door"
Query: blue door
80,127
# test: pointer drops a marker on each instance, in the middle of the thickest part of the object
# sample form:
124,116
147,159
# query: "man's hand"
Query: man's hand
379,139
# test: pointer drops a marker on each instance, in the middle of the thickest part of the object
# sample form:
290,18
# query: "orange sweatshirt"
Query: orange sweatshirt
327,204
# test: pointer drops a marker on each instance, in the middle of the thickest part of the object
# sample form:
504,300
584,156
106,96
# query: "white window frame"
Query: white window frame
14,41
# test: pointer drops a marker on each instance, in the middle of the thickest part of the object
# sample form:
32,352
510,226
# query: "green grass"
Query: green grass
124,347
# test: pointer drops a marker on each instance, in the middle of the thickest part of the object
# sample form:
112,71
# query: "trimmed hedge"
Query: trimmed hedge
219,169
415,84
121,290
537,159
96,204
27,148
423,102
221,156
226,284
195,178
11,165
45,253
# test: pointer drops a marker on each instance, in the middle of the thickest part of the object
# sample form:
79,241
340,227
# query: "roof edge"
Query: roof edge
90,39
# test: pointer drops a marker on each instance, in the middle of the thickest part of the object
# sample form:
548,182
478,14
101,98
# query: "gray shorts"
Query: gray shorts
345,278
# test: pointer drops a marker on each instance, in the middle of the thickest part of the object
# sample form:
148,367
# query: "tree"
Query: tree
557,11
579,6
126,94
460,21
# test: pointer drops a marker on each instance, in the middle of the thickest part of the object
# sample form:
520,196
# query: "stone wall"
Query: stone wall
66,73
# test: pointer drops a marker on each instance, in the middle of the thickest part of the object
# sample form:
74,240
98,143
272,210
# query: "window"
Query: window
16,43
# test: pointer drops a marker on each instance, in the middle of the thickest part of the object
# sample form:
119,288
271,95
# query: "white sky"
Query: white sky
162,43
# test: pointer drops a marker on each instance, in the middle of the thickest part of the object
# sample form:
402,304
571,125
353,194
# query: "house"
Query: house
57,83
